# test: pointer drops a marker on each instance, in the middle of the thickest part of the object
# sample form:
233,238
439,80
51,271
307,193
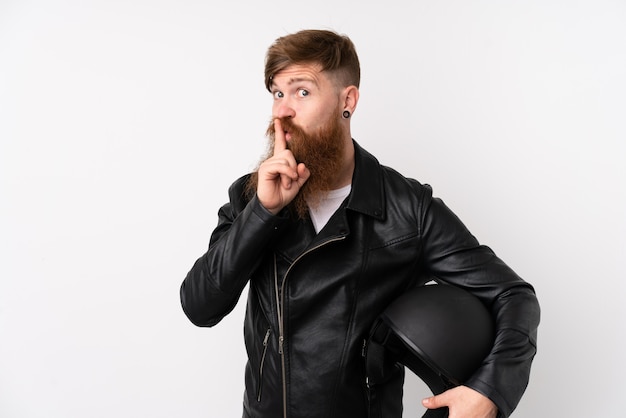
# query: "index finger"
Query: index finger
280,143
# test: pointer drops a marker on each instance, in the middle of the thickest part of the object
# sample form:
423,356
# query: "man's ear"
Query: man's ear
351,98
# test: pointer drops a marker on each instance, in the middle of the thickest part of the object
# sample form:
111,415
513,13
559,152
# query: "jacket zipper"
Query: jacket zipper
280,299
260,384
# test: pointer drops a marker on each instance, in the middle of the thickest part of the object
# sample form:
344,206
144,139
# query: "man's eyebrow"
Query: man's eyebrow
301,79
297,80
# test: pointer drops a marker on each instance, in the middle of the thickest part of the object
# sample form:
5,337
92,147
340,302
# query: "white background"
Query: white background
122,123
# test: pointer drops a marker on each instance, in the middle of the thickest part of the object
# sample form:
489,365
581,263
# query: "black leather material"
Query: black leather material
334,284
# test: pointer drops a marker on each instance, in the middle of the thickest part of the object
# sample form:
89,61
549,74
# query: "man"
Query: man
327,238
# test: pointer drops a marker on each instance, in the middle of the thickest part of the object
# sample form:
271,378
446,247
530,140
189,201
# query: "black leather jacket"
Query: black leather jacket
313,297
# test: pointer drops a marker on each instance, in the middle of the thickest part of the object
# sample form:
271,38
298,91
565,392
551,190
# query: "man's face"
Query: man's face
308,105
306,96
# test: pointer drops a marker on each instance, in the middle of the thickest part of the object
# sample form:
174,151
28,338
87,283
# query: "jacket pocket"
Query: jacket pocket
262,364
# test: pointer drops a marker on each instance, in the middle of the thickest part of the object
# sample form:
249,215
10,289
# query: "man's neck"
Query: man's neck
344,177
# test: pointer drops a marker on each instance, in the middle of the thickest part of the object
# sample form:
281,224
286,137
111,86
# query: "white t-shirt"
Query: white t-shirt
321,213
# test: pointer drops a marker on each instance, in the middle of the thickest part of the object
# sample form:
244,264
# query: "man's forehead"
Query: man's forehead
296,73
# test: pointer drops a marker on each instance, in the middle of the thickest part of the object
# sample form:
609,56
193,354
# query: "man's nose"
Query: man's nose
284,110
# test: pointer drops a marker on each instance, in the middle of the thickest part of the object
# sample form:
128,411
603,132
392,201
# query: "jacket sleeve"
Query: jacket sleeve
215,282
454,256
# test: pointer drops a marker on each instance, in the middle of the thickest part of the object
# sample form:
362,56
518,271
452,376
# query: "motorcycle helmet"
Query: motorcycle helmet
440,332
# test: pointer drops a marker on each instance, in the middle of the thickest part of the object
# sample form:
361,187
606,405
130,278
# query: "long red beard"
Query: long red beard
321,152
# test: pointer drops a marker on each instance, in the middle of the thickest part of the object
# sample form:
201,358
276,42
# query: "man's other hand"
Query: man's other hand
463,402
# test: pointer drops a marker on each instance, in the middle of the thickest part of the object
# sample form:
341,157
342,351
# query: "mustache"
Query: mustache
288,126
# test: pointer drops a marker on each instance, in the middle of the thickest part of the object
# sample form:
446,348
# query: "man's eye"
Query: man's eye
303,93
278,95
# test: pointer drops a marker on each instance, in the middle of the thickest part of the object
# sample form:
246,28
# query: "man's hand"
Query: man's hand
280,177
463,402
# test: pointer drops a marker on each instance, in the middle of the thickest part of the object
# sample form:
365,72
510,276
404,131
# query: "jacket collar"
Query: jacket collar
367,195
